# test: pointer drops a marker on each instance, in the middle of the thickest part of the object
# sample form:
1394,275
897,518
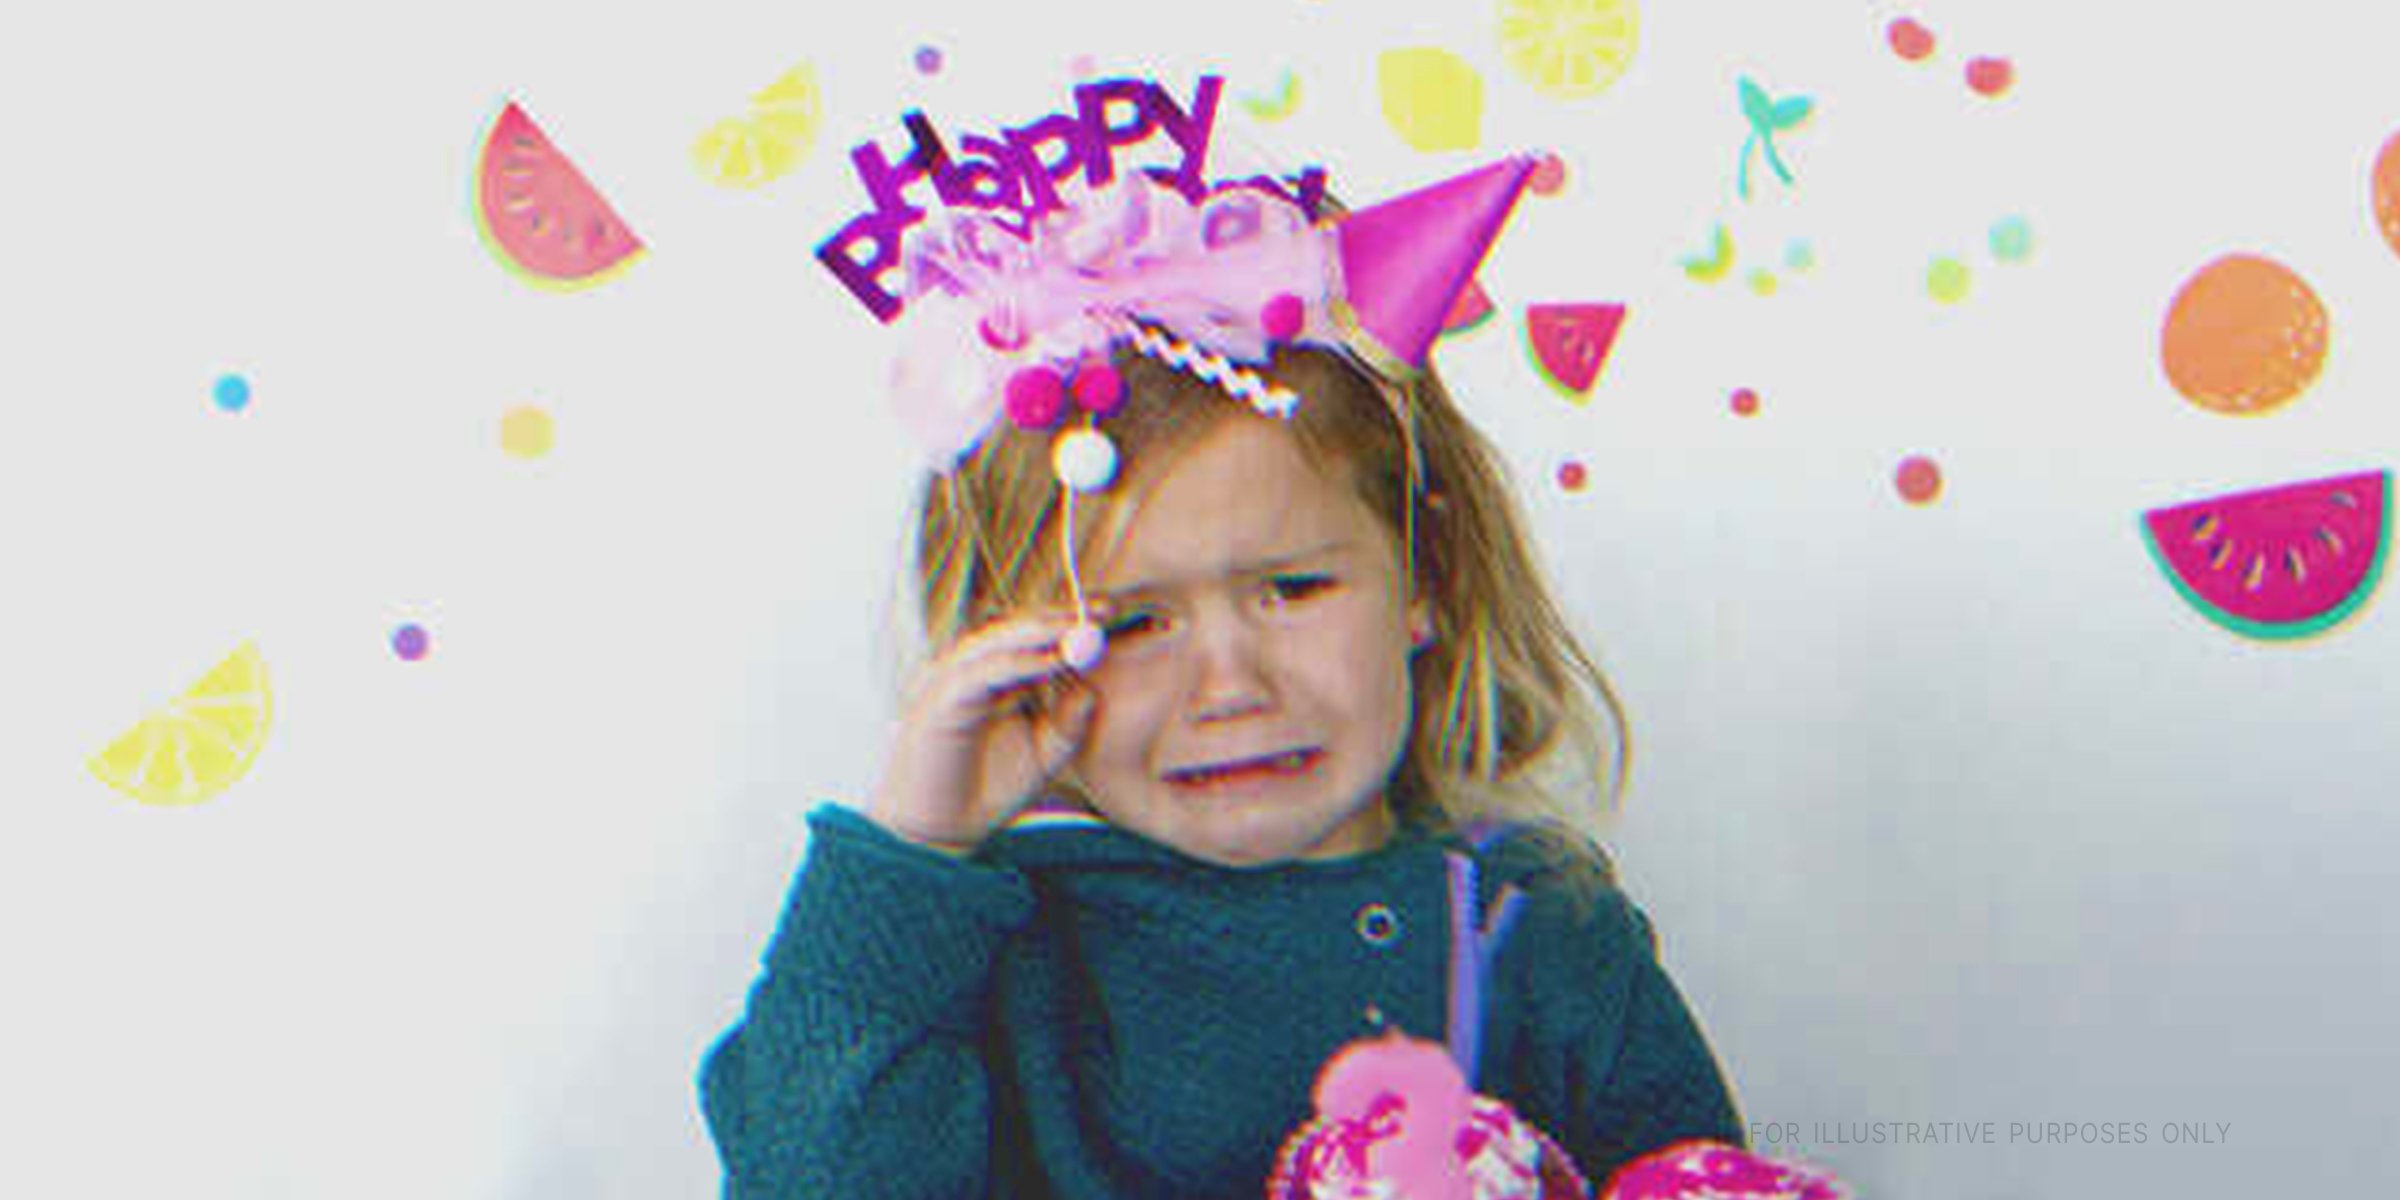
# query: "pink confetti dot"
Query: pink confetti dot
1745,402
1919,479
1990,76
1910,39
1549,175
1571,475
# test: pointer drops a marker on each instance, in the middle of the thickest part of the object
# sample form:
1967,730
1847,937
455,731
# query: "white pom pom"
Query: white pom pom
1084,459
1083,646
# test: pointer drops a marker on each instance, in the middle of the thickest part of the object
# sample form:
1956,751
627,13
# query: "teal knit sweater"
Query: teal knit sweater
1081,1014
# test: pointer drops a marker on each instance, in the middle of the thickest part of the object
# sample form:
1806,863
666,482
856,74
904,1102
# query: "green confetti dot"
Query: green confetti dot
1799,256
1946,280
1762,282
2012,240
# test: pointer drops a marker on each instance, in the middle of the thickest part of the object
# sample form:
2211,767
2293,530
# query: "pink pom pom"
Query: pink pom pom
1099,390
1282,317
1036,398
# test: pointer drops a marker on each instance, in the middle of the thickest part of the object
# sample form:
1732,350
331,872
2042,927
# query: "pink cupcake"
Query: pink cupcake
1395,1121
1703,1170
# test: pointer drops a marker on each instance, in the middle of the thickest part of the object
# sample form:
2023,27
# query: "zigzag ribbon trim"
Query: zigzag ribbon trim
1239,382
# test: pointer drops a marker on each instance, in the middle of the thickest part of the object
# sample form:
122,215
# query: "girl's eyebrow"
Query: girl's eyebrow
1261,566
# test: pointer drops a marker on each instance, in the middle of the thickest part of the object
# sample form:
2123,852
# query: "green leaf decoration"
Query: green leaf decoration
1775,160
1790,111
1756,106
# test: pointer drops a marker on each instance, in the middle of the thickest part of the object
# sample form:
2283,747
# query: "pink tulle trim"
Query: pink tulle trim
985,302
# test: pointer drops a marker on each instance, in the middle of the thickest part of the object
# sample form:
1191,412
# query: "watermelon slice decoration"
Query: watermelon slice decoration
2281,562
1570,343
538,214
1474,307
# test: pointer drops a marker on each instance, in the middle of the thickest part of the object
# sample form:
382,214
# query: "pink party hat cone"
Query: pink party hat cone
1405,261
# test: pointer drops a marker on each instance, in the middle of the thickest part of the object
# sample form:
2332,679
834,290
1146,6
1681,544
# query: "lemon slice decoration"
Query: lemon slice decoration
197,745
789,108
1432,98
765,144
733,153
1568,48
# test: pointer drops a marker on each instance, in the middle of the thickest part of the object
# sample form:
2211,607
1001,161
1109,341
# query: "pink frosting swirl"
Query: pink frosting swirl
1395,1121
1704,1170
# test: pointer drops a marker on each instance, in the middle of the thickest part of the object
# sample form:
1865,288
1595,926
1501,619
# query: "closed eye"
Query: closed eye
1290,588
1134,624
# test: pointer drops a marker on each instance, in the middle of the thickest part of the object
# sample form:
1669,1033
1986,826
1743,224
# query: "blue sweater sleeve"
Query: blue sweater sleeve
857,1069
1597,1045
1640,1074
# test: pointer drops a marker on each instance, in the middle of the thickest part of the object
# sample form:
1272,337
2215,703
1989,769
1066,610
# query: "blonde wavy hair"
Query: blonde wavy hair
1510,717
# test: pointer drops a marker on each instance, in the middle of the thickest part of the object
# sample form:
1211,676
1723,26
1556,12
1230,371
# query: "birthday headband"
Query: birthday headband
1039,265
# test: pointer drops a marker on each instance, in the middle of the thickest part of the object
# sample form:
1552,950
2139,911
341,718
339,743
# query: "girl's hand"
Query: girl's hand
974,742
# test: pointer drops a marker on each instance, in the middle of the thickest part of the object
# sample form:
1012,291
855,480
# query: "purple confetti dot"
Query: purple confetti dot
410,642
929,60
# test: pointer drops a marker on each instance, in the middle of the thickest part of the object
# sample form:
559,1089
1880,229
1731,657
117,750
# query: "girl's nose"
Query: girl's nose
1229,679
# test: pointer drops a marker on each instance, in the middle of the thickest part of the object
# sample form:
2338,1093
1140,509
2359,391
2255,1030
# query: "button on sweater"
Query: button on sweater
1077,1013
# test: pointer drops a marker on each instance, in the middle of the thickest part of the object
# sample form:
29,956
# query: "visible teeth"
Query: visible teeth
1287,762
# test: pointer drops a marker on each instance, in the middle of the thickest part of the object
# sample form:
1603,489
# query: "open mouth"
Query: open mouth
1282,764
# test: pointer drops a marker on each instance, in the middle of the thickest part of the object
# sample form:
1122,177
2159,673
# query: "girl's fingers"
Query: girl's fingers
1028,645
1031,750
999,672
968,692
1040,631
1056,620
1058,733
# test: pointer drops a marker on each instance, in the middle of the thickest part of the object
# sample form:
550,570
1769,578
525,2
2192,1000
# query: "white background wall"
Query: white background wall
1951,812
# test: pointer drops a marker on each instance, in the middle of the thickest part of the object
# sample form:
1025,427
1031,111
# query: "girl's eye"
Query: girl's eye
1290,588
1132,625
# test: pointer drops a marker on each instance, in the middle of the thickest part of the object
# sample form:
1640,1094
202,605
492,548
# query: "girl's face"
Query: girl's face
1255,695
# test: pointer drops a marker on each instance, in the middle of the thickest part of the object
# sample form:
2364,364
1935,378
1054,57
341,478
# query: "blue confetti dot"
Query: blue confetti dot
232,393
